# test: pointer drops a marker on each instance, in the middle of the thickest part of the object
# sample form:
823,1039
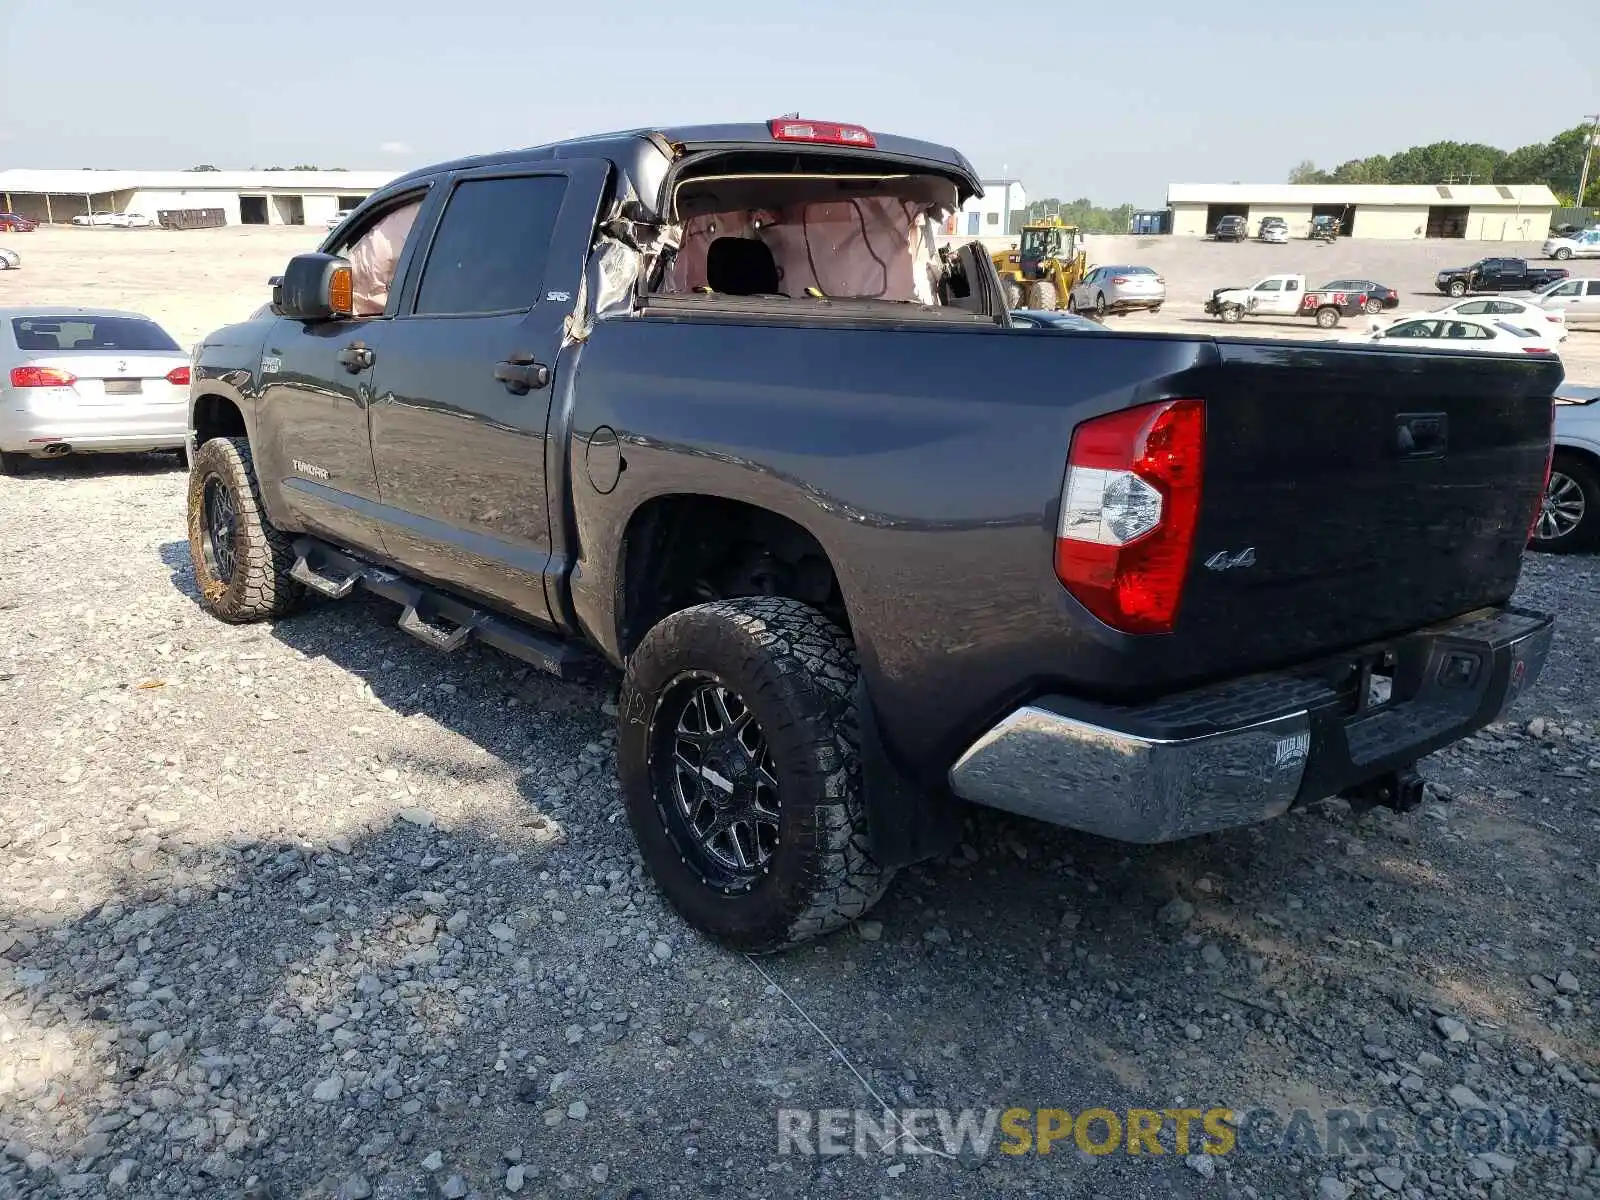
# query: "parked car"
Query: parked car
1117,290
1452,331
134,220
1232,229
1285,296
1551,323
1577,299
15,223
77,380
1078,579
1496,275
1379,296
339,218
1570,517
10,260
1274,230
105,219
1039,318
1579,244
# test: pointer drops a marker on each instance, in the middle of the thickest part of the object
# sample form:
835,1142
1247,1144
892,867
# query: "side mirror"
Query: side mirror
314,287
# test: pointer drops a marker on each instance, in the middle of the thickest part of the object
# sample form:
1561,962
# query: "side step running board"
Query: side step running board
433,617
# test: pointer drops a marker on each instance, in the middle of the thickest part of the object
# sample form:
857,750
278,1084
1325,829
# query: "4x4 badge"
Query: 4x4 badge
1222,560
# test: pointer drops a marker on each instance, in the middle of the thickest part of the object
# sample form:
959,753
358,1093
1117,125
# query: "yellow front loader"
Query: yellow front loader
1044,268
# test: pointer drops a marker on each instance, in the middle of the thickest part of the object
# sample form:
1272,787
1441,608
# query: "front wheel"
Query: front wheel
1013,291
1458,288
241,562
1042,296
1569,518
1327,318
1232,314
1562,254
1100,305
737,751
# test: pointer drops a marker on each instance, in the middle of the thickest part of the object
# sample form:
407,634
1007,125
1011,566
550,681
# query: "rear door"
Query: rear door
465,376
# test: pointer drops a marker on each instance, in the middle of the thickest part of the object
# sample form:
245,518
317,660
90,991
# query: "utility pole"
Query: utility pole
1588,152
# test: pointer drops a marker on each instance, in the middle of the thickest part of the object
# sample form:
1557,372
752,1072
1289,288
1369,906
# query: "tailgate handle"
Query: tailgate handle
1420,435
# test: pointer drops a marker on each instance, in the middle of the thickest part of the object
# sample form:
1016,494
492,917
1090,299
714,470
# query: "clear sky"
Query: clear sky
1111,100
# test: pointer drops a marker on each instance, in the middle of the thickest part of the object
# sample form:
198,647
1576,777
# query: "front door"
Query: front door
317,377
465,379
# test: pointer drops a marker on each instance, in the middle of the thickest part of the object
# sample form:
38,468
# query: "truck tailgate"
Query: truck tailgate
1375,491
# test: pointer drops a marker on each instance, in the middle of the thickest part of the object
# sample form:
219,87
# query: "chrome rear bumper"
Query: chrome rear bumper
1246,751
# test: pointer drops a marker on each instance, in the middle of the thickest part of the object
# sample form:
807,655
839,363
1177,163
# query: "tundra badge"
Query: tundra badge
1222,560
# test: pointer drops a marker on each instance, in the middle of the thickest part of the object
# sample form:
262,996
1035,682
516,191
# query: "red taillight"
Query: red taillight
22,377
178,376
1537,350
829,133
1119,279
1549,464
1128,513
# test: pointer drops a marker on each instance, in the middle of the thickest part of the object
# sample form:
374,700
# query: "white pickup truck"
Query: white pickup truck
1285,296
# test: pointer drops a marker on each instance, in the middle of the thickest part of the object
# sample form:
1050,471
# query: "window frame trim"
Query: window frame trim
376,207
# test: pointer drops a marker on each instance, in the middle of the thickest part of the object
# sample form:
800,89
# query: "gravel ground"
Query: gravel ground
307,910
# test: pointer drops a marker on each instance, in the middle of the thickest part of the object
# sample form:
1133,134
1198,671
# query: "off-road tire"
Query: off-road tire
1562,254
10,463
1013,293
1457,288
260,586
1042,296
796,672
1586,534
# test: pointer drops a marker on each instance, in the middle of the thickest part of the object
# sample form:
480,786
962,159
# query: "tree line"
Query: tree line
1556,164
1086,216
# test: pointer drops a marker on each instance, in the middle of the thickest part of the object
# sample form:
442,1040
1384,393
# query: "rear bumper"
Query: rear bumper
88,428
1242,752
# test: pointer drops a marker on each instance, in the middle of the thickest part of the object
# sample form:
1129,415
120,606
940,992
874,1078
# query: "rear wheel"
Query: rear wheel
1373,306
1327,317
241,562
1570,516
738,756
1562,254
1072,303
1042,295
1013,291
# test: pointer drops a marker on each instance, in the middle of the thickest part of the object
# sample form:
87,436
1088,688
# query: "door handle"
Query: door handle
357,357
521,374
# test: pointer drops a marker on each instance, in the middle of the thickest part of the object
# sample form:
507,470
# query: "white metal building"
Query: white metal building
1476,212
990,215
244,197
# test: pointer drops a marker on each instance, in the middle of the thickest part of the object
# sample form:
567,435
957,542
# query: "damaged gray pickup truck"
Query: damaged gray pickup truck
709,405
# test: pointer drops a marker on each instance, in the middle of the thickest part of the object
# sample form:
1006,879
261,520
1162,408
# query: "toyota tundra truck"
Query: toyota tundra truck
712,406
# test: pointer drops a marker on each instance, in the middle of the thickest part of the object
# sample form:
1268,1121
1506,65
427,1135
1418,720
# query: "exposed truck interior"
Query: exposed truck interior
815,229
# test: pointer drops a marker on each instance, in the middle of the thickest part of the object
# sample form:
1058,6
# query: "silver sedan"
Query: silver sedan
1118,290
76,380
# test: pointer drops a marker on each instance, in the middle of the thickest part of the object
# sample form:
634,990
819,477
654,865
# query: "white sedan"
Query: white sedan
109,219
1524,314
1452,331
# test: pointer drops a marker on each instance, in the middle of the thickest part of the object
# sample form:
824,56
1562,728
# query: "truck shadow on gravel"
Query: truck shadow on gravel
1291,964
73,468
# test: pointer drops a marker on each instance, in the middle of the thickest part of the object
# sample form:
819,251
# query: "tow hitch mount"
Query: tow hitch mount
1400,790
